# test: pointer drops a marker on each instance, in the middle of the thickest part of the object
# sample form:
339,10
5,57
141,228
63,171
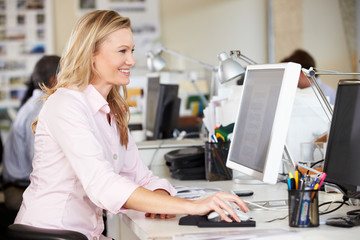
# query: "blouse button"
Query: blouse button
94,238
115,156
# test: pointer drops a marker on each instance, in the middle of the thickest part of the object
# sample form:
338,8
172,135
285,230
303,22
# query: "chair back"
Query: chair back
26,232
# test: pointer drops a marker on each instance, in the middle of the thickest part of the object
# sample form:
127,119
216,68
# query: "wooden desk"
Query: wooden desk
134,225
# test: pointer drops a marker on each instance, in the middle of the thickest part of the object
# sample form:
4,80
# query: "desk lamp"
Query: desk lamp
156,63
230,69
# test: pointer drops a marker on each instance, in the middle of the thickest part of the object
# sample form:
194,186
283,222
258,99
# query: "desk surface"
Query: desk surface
145,228
170,143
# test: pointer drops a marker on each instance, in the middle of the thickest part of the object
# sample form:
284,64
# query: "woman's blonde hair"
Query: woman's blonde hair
76,65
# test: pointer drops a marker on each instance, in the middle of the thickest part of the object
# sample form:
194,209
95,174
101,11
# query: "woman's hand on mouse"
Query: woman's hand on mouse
218,202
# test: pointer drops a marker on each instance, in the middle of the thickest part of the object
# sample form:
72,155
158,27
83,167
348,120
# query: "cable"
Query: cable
314,164
265,208
354,212
270,209
279,218
155,153
332,210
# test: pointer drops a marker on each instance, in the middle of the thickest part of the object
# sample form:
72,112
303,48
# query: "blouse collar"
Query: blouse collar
96,100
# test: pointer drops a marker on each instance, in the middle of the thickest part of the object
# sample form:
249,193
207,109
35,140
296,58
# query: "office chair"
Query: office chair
26,232
1,148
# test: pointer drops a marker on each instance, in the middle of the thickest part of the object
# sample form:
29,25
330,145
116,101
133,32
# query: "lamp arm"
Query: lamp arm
242,56
201,95
322,96
213,69
205,65
325,73
329,72
312,74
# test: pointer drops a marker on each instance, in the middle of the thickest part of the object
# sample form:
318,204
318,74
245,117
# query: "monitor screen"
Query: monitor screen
342,162
162,110
261,125
167,112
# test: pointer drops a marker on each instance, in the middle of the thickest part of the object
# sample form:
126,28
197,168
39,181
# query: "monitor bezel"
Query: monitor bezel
151,103
276,141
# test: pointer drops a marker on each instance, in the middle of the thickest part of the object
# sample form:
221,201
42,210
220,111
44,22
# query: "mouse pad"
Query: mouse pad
202,221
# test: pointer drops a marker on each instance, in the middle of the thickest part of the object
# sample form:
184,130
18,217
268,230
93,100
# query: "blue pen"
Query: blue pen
314,182
289,183
214,138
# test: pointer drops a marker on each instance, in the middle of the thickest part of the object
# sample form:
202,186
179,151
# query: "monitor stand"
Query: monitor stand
242,178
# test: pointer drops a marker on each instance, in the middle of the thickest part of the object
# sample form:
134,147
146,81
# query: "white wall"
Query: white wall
324,37
64,19
201,29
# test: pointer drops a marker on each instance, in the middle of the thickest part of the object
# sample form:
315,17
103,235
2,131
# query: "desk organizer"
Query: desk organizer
215,161
303,208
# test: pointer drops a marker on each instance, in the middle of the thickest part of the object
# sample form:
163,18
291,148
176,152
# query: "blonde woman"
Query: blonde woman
85,159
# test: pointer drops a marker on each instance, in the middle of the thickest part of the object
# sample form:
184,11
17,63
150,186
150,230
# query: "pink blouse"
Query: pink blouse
79,166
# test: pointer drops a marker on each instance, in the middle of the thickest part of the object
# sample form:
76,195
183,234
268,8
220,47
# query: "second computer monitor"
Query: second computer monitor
261,126
163,107
342,162
167,112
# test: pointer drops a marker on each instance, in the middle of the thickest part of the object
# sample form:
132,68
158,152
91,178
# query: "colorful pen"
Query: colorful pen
314,183
214,138
323,176
289,183
296,177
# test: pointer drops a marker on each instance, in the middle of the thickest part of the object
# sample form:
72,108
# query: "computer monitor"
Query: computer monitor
342,162
261,125
163,107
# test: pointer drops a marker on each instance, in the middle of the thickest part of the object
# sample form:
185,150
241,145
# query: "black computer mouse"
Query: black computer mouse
346,222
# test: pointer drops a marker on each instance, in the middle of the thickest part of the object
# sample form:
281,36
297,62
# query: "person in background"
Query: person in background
19,145
308,120
85,158
306,61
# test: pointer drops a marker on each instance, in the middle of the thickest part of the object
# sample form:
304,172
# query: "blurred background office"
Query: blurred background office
264,30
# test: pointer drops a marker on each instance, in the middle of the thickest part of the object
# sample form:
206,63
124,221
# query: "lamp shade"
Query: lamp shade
155,63
229,69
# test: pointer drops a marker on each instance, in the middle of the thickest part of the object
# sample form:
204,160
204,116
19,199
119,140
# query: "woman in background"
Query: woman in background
85,159
19,145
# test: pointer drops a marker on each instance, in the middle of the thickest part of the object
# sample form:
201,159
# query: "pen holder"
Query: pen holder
215,161
303,208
